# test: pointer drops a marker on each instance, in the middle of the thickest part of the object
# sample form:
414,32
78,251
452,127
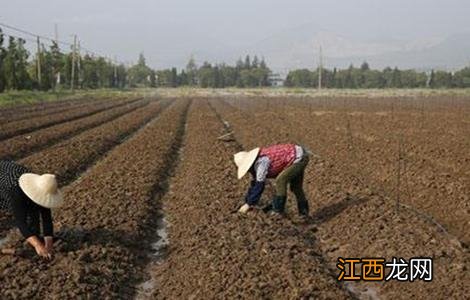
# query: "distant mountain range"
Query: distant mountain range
299,48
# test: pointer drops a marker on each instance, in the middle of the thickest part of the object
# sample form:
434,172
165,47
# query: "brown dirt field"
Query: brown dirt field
16,112
435,143
23,126
77,153
216,253
341,201
21,145
123,177
104,223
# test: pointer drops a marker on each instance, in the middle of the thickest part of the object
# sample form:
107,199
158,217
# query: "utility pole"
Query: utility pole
56,33
115,72
79,67
38,61
320,69
73,61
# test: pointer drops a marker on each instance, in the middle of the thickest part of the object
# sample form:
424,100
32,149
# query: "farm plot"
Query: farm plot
370,138
103,226
23,126
70,157
130,164
354,220
24,144
214,252
16,112
13,112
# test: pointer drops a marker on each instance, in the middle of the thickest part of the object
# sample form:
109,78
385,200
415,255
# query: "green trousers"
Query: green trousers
294,176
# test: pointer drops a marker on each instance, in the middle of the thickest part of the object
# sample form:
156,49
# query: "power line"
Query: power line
34,34
56,40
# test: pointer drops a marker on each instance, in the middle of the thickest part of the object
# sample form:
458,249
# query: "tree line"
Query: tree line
365,77
246,73
51,68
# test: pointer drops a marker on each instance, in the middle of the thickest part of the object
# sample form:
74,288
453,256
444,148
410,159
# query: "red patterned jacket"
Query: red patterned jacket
281,156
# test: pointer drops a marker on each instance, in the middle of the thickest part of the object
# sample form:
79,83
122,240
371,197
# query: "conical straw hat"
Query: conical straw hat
244,160
41,189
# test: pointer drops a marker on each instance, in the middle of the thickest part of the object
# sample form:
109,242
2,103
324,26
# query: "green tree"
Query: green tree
191,71
247,64
461,78
139,74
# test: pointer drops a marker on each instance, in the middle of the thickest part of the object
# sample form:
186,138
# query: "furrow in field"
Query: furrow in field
69,158
18,109
216,253
35,110
24,126
22,145
104,222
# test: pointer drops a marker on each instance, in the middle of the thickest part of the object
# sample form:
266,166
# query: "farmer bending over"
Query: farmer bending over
286,163
30,197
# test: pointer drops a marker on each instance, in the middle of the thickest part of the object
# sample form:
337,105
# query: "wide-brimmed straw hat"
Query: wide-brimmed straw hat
41,189
244,160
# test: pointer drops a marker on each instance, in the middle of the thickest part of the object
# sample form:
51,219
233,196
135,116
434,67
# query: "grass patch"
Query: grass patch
24,97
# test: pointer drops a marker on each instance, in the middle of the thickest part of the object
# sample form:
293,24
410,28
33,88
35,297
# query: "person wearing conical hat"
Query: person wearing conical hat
30,198
286,163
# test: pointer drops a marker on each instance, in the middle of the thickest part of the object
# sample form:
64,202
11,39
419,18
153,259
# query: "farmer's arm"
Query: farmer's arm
18,206
47,227
261,167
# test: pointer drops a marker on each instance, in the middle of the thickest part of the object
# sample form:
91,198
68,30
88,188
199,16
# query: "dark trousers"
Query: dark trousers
294,176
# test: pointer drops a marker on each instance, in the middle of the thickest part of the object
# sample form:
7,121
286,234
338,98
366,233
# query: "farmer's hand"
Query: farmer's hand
49,241
245,208
42,251
39,247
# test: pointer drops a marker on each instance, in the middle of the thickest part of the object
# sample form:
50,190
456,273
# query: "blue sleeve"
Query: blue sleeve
254,192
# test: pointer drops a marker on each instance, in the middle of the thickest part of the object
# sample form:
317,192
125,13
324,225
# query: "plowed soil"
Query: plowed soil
30,124
389,178
24,144
103,225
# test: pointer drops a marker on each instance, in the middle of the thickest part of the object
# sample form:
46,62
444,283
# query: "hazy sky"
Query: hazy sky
164,28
